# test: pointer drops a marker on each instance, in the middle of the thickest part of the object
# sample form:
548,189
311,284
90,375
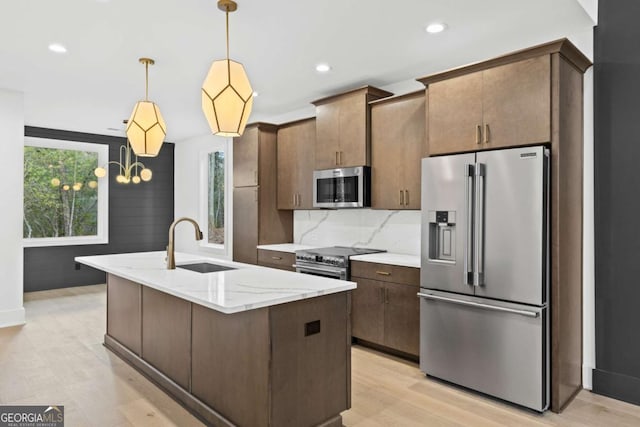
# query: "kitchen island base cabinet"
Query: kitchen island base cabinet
282,365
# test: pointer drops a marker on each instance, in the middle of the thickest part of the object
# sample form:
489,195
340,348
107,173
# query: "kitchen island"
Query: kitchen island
248,346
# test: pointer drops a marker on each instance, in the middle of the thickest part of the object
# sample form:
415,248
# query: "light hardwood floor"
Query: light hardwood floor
58,358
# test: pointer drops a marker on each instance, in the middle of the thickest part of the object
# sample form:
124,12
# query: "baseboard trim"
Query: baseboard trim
587,377
10,318
618,386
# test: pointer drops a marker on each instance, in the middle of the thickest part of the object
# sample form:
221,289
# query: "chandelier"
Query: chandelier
227,96
130,169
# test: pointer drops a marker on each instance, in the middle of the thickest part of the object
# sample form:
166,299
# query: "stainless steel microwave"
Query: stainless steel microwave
342,188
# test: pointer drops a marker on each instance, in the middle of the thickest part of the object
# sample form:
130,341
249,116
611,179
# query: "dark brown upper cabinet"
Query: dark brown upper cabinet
296,154
398,144
505,106
256,219
343,128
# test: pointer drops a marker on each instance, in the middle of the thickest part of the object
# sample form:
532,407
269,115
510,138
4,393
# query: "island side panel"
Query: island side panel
123,312
230,363
311,368
166,335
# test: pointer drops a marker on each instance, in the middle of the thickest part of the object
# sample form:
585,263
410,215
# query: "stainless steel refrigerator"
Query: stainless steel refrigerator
484,318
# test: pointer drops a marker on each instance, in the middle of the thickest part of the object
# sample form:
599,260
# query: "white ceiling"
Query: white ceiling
95,85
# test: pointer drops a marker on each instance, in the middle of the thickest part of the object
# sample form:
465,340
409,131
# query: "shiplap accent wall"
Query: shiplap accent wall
617,205
139,218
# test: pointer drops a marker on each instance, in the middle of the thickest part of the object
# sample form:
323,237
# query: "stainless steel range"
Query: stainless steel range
332,262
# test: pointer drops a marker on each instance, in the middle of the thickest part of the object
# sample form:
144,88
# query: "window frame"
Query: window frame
102,236
203,196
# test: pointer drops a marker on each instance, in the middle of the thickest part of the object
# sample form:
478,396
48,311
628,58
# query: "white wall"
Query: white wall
189,179
11,188
591,7
584,42
588,233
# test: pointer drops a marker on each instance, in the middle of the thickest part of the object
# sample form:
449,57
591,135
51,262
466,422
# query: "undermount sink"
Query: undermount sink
205,267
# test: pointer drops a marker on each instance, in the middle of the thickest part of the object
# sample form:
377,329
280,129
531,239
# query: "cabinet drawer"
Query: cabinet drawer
386,272
276,259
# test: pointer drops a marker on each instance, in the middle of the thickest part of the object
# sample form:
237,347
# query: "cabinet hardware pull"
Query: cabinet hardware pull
299,199
401,198
337,159
478,134
486,133
295,200
276,257
386,295
256,191
340,157
255,176
406,197
382,295
383,273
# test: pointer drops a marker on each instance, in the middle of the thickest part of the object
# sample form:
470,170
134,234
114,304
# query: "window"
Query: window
64,202
214,197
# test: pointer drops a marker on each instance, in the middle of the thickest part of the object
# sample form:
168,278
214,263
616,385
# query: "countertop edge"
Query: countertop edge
286,247
348,286
411,261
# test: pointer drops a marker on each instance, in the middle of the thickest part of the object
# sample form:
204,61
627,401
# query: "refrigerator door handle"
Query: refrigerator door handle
468,244
478,226
480,305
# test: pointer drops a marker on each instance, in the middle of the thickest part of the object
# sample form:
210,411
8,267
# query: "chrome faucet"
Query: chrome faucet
171,258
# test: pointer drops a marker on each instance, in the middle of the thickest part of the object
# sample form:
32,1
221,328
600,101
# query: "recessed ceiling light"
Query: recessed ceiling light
57,48
436,27
323,68
255,94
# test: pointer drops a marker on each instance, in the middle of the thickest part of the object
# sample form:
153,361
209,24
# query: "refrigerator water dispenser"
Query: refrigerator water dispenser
442,236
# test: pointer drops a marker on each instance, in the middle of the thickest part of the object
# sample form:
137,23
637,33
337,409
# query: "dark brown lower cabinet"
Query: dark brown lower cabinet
402,318
284,365
367,310
166,334
276,259
384,312
124,321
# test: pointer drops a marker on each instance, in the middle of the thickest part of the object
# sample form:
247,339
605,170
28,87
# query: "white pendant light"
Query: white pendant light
146,129
227,96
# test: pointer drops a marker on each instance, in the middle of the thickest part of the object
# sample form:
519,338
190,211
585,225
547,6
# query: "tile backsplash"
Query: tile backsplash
395,231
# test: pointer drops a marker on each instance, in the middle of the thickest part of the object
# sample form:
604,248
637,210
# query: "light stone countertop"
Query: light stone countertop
232,291
286,247
390,258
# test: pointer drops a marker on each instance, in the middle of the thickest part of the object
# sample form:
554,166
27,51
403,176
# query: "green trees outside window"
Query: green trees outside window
215,196
60,193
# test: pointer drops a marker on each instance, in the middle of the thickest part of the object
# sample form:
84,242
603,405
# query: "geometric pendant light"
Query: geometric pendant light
146,129
227,96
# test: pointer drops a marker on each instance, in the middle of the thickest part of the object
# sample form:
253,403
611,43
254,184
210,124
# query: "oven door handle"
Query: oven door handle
323,269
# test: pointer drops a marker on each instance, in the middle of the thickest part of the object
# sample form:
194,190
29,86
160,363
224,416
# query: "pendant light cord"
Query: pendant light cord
146,80
227,13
